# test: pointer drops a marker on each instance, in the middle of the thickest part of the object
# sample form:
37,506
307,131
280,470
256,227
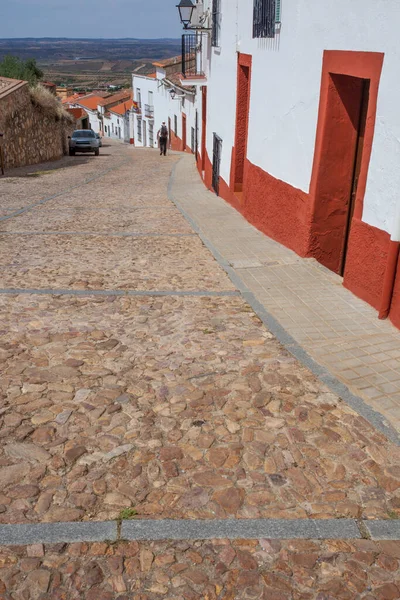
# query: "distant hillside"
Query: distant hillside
91,63
53,49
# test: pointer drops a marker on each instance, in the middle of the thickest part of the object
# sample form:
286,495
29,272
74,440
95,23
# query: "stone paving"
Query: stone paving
337,329
203,570
167,408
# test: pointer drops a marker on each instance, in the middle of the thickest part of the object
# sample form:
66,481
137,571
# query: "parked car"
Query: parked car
83,140
100,140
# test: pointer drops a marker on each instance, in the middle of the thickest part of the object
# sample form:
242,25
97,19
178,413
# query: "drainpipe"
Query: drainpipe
391,268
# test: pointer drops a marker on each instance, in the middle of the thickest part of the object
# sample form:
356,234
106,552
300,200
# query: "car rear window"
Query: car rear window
83,133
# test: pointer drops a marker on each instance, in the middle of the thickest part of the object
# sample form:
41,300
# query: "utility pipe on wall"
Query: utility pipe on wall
391,268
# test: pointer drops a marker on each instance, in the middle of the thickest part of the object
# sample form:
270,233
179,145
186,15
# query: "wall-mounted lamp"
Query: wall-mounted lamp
185,8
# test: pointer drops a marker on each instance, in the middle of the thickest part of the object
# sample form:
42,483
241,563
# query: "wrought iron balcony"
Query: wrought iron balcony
192,55
149,111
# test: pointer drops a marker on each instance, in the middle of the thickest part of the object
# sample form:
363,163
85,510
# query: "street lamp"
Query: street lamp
185,8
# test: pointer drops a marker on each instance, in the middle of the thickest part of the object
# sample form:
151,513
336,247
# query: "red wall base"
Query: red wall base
394,314
366,262
176,142
282,212
276,208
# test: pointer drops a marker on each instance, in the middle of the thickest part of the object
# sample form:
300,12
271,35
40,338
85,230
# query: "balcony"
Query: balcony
149,111
192,57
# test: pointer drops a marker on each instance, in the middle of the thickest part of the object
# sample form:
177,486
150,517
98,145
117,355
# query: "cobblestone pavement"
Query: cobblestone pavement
203,570
166,407
336,328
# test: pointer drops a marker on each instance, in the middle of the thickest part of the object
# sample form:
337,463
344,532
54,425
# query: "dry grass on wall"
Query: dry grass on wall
43,98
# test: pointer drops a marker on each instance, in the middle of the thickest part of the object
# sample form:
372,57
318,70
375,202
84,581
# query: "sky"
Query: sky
89,18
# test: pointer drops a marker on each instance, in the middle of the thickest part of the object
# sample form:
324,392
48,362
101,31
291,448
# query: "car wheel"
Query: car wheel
97,152
72,152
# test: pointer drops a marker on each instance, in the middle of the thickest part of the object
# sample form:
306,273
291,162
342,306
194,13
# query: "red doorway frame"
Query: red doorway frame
362,65
203,126
239,153
184,132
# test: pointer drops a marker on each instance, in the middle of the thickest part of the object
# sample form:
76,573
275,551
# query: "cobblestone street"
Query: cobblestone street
139,385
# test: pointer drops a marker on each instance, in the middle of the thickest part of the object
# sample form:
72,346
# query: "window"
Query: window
112,124
193,140
216,23
139,130
138,96
150,98
151,135
266,17
175,125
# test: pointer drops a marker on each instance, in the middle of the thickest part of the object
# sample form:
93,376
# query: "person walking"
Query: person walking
162,137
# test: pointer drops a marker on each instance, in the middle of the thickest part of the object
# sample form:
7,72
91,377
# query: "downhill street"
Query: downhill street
138,384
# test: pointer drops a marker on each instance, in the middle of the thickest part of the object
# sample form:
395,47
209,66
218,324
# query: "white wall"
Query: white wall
116,124
285,89
164,106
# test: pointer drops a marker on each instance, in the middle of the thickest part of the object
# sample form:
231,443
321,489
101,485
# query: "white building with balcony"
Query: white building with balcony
162,97
300,125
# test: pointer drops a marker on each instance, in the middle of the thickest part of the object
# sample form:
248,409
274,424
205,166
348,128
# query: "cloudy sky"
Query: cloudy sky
89,18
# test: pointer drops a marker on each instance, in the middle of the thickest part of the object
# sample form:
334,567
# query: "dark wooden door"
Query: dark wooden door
217,151
357,168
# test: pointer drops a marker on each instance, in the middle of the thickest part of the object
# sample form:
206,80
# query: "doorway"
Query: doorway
339,168
242,122
196,135
169,132
216,167
145,134
183,132
203,127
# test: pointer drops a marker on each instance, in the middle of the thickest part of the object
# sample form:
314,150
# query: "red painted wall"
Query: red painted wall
394,314
366,262
176,142
276,208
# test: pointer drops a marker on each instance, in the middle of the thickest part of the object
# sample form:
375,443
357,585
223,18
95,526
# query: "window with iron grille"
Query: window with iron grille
266,17
139,130
216,23
175,125
193,140
151,135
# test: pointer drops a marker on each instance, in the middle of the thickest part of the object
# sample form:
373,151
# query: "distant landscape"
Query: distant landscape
87,63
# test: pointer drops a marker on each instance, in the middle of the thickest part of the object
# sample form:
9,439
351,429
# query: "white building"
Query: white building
162,97
300,125
98,109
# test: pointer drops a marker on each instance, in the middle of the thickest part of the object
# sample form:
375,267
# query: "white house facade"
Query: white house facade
162,97
298,128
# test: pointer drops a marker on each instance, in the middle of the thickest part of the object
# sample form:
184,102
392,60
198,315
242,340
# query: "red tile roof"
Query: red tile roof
168,62
77,113
72,99
123,95
123,107
90,102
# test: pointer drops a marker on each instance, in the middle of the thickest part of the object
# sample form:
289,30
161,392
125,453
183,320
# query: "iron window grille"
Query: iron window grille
193,140
175,125
192,55
216,23
266,18
217,153
139,130
149,111
151,135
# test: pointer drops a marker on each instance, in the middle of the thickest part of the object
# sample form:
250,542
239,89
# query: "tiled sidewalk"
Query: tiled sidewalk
336,329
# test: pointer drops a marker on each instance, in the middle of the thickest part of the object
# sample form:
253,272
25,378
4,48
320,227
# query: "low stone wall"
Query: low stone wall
31,133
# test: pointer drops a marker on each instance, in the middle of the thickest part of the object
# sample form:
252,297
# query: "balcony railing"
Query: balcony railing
149,111
192,54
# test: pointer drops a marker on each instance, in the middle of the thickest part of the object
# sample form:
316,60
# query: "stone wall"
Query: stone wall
32,134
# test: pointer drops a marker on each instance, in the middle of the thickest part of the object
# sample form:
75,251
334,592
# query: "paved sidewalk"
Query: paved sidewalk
335,328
